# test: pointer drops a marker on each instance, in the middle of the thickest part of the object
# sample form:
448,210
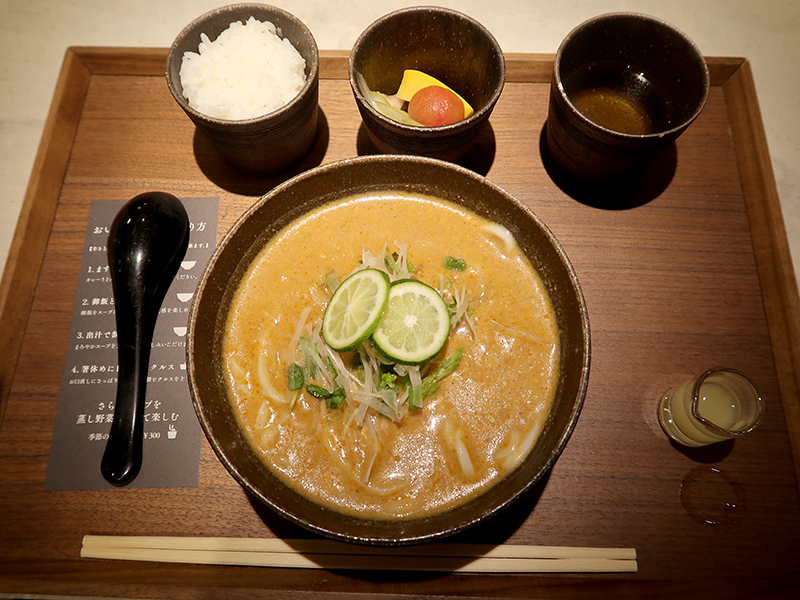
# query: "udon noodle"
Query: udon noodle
477,427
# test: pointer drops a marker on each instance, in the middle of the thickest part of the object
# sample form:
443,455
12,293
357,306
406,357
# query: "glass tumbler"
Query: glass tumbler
718,405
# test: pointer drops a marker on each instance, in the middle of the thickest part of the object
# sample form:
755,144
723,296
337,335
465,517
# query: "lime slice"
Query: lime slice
355,309
415,324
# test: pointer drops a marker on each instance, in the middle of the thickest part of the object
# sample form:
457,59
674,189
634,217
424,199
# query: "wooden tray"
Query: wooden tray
688,270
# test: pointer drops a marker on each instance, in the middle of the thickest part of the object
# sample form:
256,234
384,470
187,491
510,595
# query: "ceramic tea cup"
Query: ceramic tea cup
624,86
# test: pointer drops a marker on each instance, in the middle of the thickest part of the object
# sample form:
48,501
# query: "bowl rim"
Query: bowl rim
475,116
176,89
434,533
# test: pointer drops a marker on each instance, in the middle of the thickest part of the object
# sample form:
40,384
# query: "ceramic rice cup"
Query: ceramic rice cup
448,45
267,144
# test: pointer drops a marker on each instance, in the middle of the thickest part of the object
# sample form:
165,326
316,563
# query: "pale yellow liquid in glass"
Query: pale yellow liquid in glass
716,402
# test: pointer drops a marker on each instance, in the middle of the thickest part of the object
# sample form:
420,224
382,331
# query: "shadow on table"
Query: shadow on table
492,532
711,454
478,159
236,181
620,194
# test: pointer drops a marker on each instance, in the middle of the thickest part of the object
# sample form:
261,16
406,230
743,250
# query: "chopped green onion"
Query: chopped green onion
331,367
448,366
388,382
455,264
391,264
318,391
415,397
336,399
333,399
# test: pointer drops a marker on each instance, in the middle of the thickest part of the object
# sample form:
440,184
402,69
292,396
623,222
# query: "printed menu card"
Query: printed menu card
172,434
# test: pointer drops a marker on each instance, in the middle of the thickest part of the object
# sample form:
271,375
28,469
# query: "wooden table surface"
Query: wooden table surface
685,270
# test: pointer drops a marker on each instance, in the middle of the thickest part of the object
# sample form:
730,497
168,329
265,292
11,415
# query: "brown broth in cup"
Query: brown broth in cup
618,98
613,110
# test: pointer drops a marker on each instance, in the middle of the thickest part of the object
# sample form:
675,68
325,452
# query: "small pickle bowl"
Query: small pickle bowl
267,144
315,188
443,43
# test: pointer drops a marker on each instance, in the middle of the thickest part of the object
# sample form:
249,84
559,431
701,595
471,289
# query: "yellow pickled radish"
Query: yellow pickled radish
414,81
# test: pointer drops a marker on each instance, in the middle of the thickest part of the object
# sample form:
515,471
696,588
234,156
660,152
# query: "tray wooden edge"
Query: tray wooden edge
35,221
771,247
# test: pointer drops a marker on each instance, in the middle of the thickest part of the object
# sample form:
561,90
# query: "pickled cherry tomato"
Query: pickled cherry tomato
435,106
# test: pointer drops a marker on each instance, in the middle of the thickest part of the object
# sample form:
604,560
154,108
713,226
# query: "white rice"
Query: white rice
248,71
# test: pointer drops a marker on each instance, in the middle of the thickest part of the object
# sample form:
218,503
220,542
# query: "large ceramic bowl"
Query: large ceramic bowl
329,183
453,47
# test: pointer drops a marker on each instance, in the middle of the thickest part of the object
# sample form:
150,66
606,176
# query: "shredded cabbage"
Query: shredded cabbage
383,104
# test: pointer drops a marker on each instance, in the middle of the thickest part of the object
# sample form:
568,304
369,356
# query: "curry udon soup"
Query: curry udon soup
362,458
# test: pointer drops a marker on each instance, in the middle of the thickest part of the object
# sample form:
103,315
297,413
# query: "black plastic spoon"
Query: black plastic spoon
146,244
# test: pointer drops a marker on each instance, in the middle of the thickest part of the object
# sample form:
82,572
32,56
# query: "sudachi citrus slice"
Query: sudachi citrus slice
415,324
355,309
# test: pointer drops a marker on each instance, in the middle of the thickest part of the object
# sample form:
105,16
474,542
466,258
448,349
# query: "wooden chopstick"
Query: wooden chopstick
327,554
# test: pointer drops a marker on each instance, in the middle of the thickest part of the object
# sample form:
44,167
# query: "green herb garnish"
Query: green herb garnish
431,383
295,377
455,264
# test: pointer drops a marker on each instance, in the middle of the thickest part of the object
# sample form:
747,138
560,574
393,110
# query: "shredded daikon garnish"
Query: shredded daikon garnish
291,349
375,449
357,416
460,310
415,394
371,261
394,264
400,262
376,402
373,382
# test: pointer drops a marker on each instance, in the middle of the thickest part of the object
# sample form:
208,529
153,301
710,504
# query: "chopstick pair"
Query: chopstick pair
327,554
